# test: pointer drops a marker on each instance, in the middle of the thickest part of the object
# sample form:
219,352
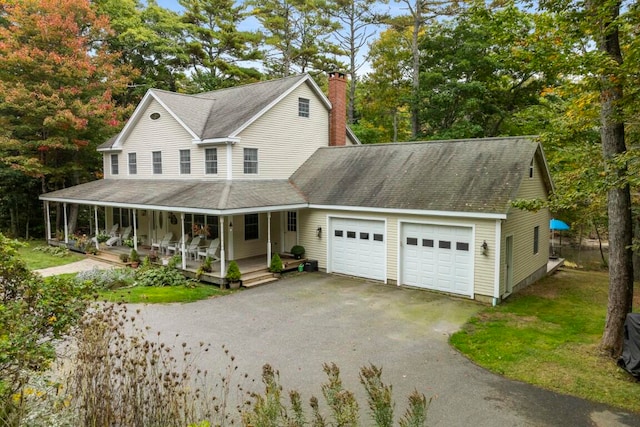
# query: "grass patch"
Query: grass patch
36,260
548,335
163,294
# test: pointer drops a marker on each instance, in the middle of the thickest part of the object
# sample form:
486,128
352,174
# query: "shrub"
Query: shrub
276,264
102,237
57,251
233,272
161,276
112,278
124,257
34,315
133,256
297,251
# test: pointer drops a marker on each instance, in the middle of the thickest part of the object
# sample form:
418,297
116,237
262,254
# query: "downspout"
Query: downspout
497,265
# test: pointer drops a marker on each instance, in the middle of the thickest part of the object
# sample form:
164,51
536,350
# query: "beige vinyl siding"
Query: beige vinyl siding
316,248
248,248
169,137
520,224
283,139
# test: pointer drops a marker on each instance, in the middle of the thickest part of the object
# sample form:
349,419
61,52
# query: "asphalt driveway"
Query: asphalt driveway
301,322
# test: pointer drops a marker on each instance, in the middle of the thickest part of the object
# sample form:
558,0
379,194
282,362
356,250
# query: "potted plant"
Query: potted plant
297,251
124,258
205,267
134,258
233,275
276,264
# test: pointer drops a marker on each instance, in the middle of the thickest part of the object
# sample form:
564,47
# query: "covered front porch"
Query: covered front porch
224,220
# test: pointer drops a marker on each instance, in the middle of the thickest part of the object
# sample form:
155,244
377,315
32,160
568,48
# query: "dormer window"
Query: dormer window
154,116
303,107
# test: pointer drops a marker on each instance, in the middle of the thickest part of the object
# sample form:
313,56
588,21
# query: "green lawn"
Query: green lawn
548,335
36,260
163,294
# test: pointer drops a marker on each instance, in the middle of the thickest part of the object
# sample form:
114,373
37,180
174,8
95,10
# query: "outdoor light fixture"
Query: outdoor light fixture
230,226
319,232
485,248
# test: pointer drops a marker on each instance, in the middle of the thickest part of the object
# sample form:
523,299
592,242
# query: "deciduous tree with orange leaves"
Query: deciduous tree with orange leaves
57,83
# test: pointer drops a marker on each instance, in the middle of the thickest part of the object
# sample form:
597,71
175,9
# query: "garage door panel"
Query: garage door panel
437,257
359,250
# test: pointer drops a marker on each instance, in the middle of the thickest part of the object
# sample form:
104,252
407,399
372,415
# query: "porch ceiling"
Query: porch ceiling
186,195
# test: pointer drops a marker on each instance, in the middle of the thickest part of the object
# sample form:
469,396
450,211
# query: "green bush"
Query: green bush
133,256
161,276
233,272
297,251
112,278
276,264
57,251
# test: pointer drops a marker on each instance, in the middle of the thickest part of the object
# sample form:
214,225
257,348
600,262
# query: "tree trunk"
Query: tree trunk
72,218
618,197
636,253
415,84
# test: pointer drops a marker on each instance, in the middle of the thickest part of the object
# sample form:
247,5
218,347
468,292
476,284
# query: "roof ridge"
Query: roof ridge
249,85
438,141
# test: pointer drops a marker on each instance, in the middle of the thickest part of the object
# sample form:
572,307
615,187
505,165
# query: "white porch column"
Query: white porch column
222,259
268,239
95,214
184,255
66,227
48,213
135,229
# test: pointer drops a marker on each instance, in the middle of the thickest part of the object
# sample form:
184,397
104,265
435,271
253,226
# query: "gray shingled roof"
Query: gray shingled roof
478,175
173,194
220,113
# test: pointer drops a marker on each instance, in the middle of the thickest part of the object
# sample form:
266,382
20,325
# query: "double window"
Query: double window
114,164
185,162
251,160
156,157
211,161
133,164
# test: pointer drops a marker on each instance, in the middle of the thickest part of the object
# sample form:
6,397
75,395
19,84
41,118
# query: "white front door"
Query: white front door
358,248
437,257
290,230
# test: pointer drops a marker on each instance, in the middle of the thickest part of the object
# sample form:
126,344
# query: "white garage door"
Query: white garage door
358,248
437,257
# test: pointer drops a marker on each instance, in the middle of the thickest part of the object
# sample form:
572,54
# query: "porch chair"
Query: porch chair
192,248
175,246
114,230
162,245
210,251
119,238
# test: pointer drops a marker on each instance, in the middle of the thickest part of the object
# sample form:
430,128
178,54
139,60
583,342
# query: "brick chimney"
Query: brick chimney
338,115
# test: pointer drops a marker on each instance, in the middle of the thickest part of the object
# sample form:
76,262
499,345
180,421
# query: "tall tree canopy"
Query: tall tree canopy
57,84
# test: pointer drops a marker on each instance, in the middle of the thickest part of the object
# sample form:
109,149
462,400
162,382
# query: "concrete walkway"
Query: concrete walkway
74,267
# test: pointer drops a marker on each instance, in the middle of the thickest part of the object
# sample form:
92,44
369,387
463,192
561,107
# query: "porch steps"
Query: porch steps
108,257
257,278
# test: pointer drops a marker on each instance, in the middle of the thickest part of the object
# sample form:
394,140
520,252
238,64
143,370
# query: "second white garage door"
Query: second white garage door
358,247
437,257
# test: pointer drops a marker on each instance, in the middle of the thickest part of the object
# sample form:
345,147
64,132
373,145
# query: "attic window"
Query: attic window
303,107
531,169
154,116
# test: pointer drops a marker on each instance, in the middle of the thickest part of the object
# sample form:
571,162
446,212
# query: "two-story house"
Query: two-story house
270,165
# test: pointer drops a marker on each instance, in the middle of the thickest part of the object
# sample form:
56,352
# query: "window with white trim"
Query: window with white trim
114,164
531,169
156,157
211,161
185,162
133,164
303,107
251,160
